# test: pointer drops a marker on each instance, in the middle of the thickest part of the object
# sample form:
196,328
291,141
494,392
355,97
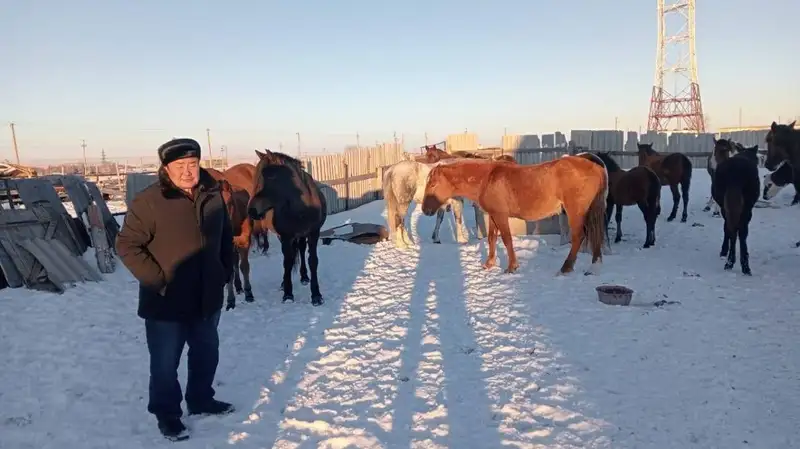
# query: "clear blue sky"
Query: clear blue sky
127,75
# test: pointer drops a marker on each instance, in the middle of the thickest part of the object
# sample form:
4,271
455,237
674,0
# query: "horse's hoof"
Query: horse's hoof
510,270
437,242
230,306
746,272
288,298
488,265
305,281
683,219
716,214
646,245
706,209
248,296
317,301
671,218
728,266
618,239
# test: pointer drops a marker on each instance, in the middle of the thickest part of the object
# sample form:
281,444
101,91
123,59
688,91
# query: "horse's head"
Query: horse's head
781,141
432,154
646,152
438,189
276,183
777,180
723,149
749,153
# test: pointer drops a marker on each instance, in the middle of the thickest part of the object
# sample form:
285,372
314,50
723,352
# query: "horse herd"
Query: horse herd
277,195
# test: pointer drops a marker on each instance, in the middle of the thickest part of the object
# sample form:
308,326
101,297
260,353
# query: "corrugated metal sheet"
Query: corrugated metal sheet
62,267
136,182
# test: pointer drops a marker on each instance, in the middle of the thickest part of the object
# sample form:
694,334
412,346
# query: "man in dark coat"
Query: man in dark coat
177,242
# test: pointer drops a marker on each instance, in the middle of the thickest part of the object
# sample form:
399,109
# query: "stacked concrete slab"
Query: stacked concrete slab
658,140
548,140
747,138
607,140
561,139
631,141
581,138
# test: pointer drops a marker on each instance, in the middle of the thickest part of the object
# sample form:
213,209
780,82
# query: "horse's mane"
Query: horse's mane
611,164
285,159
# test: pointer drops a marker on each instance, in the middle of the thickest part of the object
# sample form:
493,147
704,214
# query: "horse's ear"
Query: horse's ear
260,155
791,125
774,126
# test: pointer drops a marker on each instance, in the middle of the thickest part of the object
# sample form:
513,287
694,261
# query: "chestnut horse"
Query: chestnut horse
672,169
241,176
529,192
433,155
640,186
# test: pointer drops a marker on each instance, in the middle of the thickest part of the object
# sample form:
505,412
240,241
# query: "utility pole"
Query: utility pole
394,135
358,140
280,147
740,117
210,154
14,141
85,166
616,123
298,144
426,138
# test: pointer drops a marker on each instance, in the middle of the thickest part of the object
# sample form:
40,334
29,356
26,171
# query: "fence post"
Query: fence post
378,183
346,185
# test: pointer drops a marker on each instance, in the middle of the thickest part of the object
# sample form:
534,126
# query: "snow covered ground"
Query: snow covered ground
424,349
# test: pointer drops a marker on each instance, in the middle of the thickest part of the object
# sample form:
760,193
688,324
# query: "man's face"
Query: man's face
184,173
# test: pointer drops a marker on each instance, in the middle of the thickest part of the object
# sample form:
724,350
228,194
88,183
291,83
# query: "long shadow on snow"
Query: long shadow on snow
440,361
269,343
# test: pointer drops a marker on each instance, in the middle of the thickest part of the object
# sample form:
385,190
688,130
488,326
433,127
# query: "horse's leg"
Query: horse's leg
491,242
576,218
479,218
647,215
237,281
609,211
685,184
709,204
501,225
744,254
439,220
618,220
302,243
231,301
676,199
313,263
288,250
244,266
462,235
731,249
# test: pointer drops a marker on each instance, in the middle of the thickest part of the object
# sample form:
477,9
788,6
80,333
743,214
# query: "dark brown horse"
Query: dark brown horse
236,200
529,192
292,204
735,188
672,169
640,186
783,147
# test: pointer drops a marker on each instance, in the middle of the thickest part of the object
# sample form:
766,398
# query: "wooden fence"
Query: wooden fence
353,178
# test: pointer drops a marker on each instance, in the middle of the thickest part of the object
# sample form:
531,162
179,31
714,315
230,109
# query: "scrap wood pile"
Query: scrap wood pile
9,170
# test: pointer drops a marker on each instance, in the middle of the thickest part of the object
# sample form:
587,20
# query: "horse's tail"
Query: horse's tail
392,203
261,236
297,254
734,204
653,191
595,222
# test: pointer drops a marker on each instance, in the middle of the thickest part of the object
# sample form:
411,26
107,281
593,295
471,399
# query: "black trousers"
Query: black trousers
165,341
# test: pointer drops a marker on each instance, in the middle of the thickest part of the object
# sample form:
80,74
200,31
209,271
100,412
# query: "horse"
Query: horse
433,155
672,169
241,176
529,192
735,188
293,206
640,186
404,182
236,200
711,167
783,146
777,180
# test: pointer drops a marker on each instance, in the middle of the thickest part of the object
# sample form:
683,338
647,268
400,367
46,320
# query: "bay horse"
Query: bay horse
241,176
672,169
735,188
640,186
293,206
236,200
403,183
528,192
777,180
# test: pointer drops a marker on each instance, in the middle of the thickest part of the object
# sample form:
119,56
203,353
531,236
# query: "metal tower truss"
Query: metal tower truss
675,101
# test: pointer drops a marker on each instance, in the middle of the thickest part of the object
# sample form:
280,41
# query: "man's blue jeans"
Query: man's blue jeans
165,341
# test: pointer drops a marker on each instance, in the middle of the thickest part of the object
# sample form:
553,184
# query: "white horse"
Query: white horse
403,183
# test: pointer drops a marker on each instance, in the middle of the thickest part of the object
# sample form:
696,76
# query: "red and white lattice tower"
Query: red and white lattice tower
675,102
